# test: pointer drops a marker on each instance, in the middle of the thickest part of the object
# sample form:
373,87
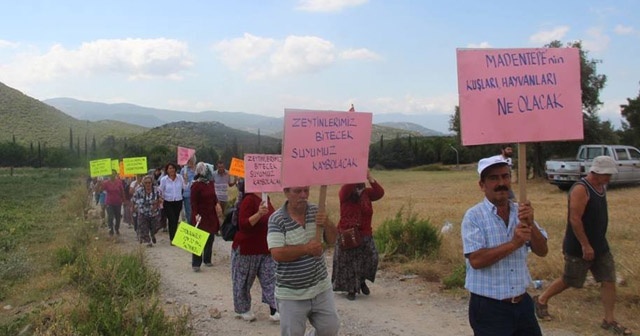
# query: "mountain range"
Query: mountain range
152,117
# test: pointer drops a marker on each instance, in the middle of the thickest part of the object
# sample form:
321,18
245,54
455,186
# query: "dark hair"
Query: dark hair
170,164
503,147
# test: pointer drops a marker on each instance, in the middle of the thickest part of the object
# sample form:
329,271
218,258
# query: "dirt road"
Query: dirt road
397,305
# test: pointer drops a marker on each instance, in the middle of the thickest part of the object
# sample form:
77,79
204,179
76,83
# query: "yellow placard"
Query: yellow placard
100,167
190,238
115,165
135,165
237,167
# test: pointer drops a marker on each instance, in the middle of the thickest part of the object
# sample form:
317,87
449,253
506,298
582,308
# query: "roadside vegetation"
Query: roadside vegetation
59,276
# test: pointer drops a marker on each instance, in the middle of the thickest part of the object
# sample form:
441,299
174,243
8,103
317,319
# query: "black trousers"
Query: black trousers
196,260
172,209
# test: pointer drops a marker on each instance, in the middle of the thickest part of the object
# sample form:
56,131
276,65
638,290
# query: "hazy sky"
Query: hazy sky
263,56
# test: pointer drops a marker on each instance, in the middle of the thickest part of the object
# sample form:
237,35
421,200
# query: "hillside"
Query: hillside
206,134
409,126
30,120
152,117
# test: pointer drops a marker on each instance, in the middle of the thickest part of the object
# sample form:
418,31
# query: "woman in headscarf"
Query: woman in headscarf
351,267
147,201
250,256
204,210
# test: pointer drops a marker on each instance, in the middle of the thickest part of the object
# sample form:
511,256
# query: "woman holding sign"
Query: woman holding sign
353,263
204,210
250,257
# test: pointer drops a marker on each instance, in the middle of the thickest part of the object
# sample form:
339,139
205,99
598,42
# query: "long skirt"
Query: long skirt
353,266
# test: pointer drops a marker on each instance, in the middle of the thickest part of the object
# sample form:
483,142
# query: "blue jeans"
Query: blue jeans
186,201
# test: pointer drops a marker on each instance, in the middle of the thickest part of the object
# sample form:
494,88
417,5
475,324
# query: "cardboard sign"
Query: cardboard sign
184,154
262,172
237,167
136,165
100,167
190,238
325,147
115,165
519,95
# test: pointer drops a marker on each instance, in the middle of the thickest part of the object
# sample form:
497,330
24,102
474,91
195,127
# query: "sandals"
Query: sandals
615,328
542,310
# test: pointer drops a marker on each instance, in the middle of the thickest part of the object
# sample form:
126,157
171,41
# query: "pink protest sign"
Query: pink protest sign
262,172
184,154
519,95
325,147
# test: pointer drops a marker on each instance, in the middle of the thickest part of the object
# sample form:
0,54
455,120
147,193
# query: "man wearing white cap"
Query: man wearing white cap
585,245
496,235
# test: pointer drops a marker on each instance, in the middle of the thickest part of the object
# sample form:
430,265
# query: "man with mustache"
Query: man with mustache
303,288
496,236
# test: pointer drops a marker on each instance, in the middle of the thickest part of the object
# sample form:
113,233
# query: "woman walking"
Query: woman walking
171,187
204,212
351,267
147,201
250,257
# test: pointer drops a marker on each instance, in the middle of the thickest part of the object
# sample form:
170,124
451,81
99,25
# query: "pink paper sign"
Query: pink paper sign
262,172
184,154
519,95
325,147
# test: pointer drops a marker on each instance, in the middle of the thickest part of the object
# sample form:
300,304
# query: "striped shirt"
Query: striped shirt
306,277
483,228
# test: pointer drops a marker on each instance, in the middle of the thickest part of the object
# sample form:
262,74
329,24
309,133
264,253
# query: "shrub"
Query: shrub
407,236
457,278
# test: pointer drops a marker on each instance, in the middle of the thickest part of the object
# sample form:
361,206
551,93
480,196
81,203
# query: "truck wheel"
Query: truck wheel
564,187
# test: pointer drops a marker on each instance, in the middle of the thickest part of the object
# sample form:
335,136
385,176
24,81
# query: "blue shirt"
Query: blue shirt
188,179
483,228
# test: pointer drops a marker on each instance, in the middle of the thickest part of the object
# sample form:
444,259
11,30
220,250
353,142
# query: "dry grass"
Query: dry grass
445,196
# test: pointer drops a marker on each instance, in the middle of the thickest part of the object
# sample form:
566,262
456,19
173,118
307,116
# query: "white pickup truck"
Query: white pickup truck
565,173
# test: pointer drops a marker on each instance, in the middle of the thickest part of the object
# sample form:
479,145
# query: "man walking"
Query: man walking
303,289
585,245
496,236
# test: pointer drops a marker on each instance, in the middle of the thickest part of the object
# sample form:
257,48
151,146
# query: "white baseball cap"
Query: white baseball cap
603,165
490,161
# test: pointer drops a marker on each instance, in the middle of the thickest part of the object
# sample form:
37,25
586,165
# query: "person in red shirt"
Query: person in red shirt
351,267
114,198
204,209
250,256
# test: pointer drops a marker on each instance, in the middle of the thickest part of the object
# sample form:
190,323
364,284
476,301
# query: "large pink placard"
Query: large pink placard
262,172
325,147
519,95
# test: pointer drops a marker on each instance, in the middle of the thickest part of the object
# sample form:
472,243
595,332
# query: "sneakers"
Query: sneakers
275,317
248,316
365,290
542,310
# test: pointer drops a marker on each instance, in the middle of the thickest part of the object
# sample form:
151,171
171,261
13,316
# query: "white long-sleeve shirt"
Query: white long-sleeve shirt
172,189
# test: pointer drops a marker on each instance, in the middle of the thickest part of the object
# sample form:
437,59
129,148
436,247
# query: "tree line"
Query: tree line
396,153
